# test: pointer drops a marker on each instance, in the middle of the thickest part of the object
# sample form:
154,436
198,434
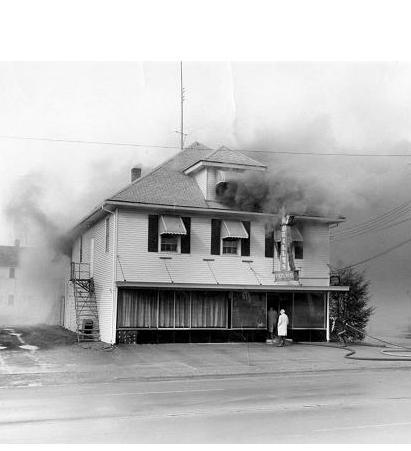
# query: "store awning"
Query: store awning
173,225
295,234
233,229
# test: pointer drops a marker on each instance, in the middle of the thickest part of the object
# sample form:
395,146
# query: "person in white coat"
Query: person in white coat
282,327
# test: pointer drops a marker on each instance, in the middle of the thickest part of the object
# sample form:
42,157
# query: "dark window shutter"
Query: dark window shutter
186,239
245,242
152,233
215,236
269,242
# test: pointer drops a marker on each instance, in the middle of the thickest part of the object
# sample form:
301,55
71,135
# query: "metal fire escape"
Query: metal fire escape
85,303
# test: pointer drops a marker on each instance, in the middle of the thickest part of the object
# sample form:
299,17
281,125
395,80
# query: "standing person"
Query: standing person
272,322
282,327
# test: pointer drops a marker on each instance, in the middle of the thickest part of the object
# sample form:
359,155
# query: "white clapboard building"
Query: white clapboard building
164,261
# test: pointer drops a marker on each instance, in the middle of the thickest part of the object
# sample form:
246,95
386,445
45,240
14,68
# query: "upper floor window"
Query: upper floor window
107,233
12,273
169,234
81,249
297,242
298,250
230,237
231,246
170,243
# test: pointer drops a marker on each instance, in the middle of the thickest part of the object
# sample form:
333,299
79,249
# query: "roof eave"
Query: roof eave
110,205
209,163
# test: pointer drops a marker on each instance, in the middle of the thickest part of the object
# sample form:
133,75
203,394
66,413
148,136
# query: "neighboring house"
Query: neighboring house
30,293
9,274
168,262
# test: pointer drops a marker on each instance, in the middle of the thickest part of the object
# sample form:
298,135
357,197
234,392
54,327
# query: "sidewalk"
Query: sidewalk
96,362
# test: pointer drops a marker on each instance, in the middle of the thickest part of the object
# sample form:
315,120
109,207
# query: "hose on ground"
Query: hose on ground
388,351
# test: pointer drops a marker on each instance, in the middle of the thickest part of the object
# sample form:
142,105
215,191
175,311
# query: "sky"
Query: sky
355,108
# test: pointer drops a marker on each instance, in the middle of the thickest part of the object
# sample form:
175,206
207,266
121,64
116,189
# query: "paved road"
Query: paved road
349,406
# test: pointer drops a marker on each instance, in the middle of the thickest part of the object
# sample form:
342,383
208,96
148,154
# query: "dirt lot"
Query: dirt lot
41,336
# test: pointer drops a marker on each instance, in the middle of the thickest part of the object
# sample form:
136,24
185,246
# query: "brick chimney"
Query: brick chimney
135,173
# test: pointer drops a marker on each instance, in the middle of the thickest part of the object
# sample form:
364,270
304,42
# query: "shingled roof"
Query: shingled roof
225,155
168,185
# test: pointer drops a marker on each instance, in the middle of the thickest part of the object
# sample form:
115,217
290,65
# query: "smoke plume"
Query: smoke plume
275,192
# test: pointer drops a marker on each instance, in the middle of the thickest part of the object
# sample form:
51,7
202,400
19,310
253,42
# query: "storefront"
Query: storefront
162,315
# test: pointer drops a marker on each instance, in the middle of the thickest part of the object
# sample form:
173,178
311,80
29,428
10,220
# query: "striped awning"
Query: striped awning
295,234
233,229
173,225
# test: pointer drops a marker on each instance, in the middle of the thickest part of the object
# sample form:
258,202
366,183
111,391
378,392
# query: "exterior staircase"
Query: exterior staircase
87,323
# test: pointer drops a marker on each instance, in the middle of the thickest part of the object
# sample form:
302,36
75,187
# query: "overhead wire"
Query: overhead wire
341,238
377,223
387,215
380,254
160,146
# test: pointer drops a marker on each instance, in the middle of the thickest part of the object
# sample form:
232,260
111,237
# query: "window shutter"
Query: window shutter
245,242
269,242
152,233
186,239
215,236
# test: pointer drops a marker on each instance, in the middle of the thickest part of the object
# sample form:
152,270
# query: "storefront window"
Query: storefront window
137,308
166,309
249,310
182,312
309,310
208,309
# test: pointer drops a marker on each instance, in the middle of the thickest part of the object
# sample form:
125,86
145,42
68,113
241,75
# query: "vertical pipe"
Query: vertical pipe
327,316
114,281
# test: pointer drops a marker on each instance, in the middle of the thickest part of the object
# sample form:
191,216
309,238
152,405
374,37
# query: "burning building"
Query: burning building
171,259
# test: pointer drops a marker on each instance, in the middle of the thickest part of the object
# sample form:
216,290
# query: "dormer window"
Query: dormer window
214,172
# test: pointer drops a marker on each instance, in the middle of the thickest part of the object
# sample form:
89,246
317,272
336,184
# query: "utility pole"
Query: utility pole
182,107
182,90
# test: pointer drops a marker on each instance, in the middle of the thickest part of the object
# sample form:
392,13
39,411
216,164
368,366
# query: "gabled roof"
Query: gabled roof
168,185
9,255
226,155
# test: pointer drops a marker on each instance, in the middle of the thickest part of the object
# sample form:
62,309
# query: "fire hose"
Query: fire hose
392,351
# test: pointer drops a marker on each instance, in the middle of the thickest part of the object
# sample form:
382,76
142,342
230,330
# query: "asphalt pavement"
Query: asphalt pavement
192,393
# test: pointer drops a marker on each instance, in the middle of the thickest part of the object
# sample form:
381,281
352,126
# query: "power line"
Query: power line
341,238
376,222
82,141
379,254
274,152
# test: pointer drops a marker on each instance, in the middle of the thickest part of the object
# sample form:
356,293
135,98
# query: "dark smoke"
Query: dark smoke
274,192
29,220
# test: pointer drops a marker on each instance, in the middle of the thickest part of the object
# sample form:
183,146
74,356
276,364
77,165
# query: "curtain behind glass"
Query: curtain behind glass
137,308
208,309
182,301
166,309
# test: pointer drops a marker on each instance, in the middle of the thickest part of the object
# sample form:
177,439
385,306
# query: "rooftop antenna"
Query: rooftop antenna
181,131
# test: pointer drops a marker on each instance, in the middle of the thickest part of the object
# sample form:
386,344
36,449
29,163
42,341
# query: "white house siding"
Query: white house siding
314,269
211,183
103,278
201,179
139,265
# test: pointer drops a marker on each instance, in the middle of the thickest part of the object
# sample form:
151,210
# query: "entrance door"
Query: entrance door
281,301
